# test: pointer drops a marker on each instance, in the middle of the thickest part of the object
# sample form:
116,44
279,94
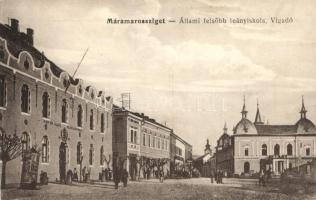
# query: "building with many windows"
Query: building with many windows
256,146
140,143
68,120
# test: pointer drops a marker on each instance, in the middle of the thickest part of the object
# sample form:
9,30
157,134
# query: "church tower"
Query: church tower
244,111
303,110
207,149
258,116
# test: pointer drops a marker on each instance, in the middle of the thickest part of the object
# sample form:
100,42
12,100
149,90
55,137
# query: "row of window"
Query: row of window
26,108
155,142
45,150
276,150
149,140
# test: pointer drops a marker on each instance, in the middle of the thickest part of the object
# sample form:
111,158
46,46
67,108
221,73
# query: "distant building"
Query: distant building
137,136
46,107
225,153
256,146
180,154
206,163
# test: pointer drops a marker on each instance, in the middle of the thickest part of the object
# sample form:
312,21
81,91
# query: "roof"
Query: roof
16,44
140,115
276,129
245,126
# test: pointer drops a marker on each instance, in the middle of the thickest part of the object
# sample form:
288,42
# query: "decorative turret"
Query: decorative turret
303,110
244,111
258,116
207,147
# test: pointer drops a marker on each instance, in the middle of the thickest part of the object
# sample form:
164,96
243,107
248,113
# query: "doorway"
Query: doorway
246,167
62,161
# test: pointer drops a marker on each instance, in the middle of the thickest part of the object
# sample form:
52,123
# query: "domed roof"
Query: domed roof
305,125
245,126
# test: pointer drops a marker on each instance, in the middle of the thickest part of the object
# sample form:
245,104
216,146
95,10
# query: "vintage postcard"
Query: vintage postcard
154,99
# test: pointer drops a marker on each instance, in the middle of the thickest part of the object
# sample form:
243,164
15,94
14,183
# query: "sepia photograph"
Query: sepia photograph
157,100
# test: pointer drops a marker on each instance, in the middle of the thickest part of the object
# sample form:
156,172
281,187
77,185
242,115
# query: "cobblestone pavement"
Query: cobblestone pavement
183,189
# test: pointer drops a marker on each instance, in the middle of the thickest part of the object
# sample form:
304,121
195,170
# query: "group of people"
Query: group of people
120,175
85,173
218,175
264,176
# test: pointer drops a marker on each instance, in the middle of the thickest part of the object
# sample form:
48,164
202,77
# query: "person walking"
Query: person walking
220,177
262,178
161,175
116,177
212,176
124,177
83,174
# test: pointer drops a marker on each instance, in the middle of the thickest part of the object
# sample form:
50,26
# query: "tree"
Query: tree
107,161
141,161
11,148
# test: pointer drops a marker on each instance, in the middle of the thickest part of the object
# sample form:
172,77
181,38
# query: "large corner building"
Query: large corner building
69,120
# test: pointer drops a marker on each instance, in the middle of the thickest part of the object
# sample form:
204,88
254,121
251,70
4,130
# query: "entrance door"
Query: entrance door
246,167
62,162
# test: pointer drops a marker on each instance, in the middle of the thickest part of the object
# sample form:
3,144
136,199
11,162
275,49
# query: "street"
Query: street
196,188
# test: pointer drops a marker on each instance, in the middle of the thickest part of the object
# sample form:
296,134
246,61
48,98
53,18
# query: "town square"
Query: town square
151,99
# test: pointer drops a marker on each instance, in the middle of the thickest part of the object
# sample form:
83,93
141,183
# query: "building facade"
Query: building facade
141,143
206,164
256,146
225,153
180,154
43,104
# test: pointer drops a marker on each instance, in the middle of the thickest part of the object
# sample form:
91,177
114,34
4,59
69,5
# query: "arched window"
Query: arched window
79,116
102,123
308,151
79,153
64,111
26,64
144,139
46,105
289,150
149,140
45,150
91,120
246,167
26,142
3,90
277,150
246,151
91,154
101,156
158,145
25,99
264,150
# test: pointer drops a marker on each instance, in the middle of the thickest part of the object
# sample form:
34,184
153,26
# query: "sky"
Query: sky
190,76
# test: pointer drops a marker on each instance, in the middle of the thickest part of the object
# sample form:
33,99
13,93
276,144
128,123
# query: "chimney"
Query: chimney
30,33
15,25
